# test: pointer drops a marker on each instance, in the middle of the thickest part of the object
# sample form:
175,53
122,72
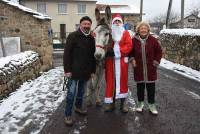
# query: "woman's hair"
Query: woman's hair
142,24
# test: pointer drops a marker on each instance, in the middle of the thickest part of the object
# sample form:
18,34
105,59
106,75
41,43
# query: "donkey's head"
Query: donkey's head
102,33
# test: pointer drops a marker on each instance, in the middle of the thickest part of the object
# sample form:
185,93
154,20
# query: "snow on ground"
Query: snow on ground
56,41
131,101
183,70
181,32
31,105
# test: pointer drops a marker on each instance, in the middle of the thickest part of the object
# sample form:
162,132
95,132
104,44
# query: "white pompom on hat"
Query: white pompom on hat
117,17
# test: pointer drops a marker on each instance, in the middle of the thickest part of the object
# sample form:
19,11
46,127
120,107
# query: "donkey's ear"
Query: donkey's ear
97,14
108,14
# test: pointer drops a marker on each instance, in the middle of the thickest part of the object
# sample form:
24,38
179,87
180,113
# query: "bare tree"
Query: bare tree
158,21
195,11
162,18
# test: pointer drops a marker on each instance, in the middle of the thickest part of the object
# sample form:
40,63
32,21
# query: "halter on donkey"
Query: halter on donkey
102,33
103,40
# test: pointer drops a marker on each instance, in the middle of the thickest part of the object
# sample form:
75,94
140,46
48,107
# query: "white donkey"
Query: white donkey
103,40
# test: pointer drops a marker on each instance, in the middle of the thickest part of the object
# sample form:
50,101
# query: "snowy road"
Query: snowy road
178,104
38,107
27,109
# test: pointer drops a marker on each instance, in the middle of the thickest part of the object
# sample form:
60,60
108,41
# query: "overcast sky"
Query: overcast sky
156,7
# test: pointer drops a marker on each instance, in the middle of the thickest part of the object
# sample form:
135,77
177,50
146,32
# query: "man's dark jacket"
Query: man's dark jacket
79,55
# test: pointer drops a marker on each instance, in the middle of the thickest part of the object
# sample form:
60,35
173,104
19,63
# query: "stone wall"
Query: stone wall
33,32
182,49
16,69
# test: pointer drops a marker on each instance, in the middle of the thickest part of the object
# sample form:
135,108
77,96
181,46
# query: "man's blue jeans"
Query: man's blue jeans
71,93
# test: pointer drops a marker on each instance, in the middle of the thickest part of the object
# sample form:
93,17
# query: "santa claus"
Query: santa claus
116,66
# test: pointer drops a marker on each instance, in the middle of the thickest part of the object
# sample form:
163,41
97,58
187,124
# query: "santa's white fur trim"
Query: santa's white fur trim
121,95
117,18
108,100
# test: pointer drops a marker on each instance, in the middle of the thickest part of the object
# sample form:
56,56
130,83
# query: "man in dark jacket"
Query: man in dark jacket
79,66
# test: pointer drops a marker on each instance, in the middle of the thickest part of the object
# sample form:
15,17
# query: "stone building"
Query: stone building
191,21
32,27
130,14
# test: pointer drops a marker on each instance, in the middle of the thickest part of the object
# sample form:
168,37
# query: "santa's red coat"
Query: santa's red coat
116,70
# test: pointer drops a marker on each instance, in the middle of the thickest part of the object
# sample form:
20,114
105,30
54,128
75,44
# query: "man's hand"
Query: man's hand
69,74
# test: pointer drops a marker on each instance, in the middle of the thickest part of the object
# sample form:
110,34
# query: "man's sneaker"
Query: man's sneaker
80,111
68,120
109,107
152,109
140,106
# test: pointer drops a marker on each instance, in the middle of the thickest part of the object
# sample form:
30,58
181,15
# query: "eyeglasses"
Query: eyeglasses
117,21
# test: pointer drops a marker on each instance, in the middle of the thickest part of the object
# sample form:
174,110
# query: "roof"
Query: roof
192,15
111,2
198,17
28,10
128,9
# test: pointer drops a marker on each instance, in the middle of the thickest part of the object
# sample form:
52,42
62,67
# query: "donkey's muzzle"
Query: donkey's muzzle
98,56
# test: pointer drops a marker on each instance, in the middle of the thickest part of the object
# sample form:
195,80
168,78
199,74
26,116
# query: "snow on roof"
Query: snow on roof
111,2
181,32
26,9
129,9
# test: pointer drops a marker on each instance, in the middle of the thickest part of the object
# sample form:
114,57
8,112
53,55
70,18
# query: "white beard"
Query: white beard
117,32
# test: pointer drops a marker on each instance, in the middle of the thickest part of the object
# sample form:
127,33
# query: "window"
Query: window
191,20
41,7
62,8
81,8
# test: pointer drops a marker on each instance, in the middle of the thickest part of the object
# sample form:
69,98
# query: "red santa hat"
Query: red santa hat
117,17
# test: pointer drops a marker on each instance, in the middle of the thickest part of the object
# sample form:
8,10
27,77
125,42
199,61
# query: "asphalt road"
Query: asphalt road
178,103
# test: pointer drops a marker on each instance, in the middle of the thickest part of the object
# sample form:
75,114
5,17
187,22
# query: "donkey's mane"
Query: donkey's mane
102,22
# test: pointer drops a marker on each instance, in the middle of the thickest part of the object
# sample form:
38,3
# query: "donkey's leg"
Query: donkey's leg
99,76
88,93
97,93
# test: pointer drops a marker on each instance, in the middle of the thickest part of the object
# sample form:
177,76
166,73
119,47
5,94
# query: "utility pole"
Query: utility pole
141,9
168,13
182,13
